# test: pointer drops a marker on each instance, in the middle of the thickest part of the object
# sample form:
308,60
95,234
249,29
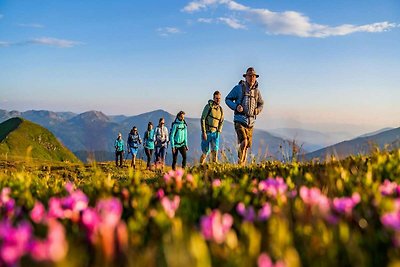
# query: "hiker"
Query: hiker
211,120
178,139
161,143
148,143
245,99
119,150
133,144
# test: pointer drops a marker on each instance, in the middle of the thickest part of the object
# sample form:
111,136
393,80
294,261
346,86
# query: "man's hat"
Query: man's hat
251,71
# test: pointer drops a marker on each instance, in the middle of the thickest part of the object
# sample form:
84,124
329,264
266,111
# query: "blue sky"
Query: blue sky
334,62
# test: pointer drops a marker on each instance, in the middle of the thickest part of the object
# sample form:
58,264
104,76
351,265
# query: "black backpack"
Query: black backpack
130,139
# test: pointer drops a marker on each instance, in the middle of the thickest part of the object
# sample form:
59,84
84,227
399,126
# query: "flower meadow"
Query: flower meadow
340,213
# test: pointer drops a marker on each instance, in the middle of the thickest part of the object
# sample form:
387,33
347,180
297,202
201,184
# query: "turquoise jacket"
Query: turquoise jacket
119,145
149,140
178,135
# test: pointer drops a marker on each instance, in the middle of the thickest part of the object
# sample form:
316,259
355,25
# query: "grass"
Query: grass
295,233
21,138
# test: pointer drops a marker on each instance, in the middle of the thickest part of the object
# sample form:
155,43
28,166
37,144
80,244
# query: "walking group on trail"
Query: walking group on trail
244,99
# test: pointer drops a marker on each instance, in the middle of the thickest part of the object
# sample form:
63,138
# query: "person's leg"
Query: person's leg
249,141
163,151
116,158
151,154
174,158
157,155
214,143
205,148
242,141
148,156
182,149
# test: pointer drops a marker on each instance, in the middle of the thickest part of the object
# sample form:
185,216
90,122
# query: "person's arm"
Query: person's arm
260,103
166,134
221,122
203,118
173,131
232,98
145,138
185,136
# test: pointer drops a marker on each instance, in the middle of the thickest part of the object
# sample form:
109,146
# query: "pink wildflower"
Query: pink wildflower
170,206
247,213
110,211
216,183
314,197
160,193
265,212
273,187
345,205
54,247
388,188
189,178
55,208
15,241
38,213
216,226
391,220
265,261
69,187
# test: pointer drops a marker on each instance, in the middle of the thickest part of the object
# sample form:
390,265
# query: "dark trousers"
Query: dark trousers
160,152
182,150
149,153
119,154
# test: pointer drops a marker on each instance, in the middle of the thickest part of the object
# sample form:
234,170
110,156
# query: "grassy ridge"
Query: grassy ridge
295,233
21,138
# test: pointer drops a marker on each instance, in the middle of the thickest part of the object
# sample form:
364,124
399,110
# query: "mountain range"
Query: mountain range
382,139
91,135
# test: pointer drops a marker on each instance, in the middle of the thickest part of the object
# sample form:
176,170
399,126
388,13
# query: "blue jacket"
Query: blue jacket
178,135
134,140
235,98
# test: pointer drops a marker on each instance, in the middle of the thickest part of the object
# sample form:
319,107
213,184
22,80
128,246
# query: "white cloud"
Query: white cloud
204,20
43,41
233,23
201,4
31,25
284,23
54,42
167,31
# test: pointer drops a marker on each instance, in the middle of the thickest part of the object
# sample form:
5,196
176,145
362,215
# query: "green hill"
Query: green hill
20,139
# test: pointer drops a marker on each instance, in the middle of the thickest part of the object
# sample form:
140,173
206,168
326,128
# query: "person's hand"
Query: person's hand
204,136
239,108
173,150
187,148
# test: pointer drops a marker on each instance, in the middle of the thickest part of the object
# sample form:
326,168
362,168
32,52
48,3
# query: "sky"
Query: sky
322,64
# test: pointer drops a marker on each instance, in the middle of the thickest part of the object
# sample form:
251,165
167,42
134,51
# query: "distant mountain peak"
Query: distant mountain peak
93,116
